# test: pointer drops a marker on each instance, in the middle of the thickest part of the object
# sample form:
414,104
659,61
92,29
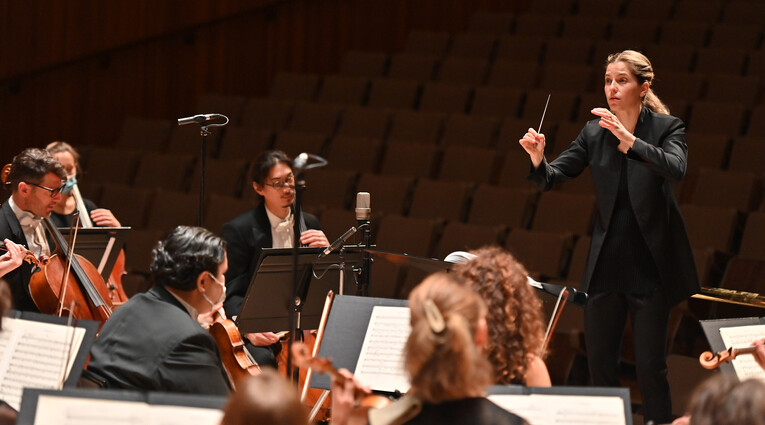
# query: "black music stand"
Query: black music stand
99,245
268,304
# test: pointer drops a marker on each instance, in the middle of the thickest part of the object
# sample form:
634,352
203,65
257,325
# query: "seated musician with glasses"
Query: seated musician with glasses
36,179
269,225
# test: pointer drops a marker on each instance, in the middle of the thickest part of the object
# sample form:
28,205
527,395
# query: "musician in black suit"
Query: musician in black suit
640,260
157,341
269,225
36,180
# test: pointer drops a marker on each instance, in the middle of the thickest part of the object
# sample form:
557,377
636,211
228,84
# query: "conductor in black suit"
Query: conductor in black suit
640,261
269,225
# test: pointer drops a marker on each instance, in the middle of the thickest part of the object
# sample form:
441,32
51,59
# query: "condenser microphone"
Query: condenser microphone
200,119
306,161
363,211
336,244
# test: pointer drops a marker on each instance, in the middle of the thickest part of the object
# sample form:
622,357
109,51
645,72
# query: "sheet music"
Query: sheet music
33,354
381,361
83,411
543,409
740,337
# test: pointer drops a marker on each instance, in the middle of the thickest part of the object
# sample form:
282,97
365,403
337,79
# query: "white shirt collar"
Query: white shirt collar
189,308
276,220
26,218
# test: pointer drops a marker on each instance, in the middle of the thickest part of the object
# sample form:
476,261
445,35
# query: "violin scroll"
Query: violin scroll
710,360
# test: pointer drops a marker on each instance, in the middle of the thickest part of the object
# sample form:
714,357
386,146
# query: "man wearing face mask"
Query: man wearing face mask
64,210
158,341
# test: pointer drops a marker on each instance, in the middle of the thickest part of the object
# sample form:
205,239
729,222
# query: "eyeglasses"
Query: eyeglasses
53,192
288,182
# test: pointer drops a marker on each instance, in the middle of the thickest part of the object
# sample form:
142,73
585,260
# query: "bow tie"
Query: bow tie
28,220
284,227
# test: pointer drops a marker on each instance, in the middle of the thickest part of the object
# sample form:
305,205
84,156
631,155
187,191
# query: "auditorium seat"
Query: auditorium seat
635,32
584,27
222,176
562,107
144,134
684,375
588,101
561,77
599,8
721,60
335,222
266,114
520,48
364,122
388,194
744,274
739,34
553,7
240,142
326,188
757,123
649,9
545,254
470,130
425,42
445,98
293,86
361,154
129,204
393,93
574,52
706,151
743,12
712,227
416,126
343,90
717,118
314,118
756,65
296,142
679,84
493,23
512,129
469,164
362,63
459,236
578,262
697,11
727,189
112,165
541,25
666,56
138,246
515,168
602,49
171,209
684,34
746,155
187,139
564,212
461,70
752,238
410,66
501,205
440,199
515,74
472,45
166,171
409,159
497,102
580,185
229,105
222,209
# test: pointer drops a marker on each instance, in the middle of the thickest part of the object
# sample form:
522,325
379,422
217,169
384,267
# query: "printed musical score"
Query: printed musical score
381,361
82,411
35,355
543,409
739,337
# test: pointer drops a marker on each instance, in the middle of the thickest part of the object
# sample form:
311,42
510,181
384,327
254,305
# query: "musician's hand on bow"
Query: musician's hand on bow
13,258
534,144
759,352
104,218
610,122
262,339
315,238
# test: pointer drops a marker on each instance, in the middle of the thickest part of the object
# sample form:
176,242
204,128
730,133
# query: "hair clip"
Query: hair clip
434,316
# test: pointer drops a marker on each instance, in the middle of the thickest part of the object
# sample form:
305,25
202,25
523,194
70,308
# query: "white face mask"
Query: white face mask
222,294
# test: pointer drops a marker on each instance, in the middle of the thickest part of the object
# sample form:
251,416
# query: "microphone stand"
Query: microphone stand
366,264
297,306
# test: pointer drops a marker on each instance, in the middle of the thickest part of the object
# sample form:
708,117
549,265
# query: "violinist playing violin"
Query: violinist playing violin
158,341
269,225
64,210
12,258
36,179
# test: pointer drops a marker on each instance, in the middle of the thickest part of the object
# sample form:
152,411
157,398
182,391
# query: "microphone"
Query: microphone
336,244
199,119
363,211
300,164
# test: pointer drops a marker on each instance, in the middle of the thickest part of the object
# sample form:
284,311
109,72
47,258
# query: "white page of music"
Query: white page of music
543,409
740,337
381,361
35,355
81,411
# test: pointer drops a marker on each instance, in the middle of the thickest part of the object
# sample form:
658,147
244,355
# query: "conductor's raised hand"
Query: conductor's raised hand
611,122
534,144
315,238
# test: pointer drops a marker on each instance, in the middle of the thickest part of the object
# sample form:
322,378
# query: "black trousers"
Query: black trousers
604,320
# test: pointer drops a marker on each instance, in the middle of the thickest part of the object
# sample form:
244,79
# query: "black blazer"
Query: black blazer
246,235
152,343
655,163
17,279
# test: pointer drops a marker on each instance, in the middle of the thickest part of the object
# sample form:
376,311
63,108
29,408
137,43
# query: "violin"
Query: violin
237,361
68,284
302,357
709,360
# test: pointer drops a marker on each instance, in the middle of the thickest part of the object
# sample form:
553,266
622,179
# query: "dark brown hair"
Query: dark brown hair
31,165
